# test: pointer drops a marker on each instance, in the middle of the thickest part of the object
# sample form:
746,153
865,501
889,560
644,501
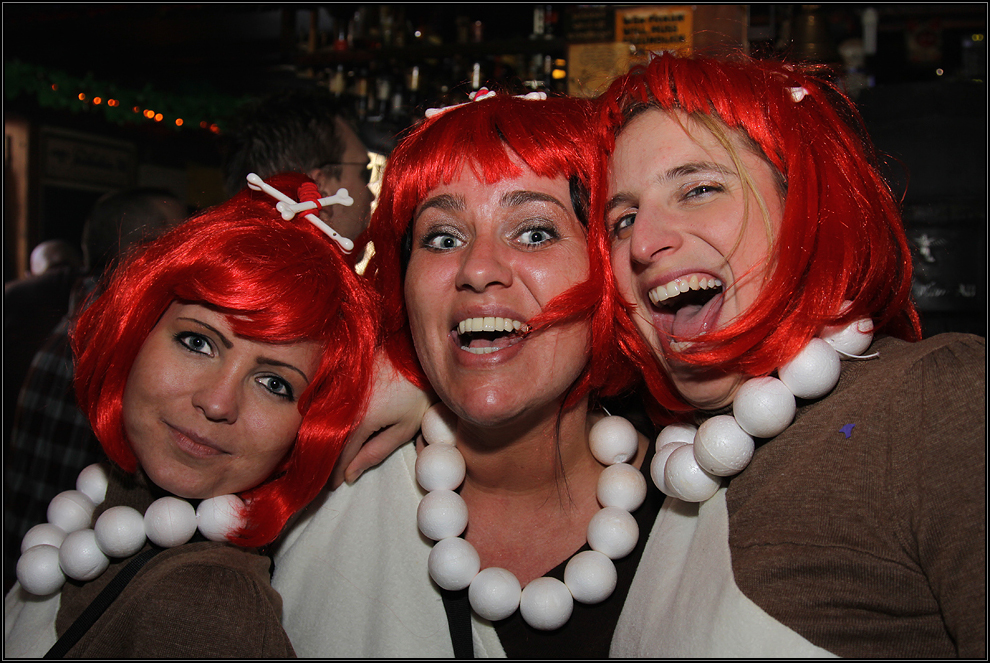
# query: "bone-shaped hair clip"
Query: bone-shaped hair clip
288,208
480,95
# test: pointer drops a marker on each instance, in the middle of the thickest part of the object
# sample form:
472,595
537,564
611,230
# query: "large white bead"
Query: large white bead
453,563
685,477
659,464
71,510
546,604
170,522
763,407
38,570
613,532
92,482
440,467
721,447
80,556
120,531
621,485
590,576
853,339
813,372
613,440
42,534
442,514
220,516
683,433
439,425
494,593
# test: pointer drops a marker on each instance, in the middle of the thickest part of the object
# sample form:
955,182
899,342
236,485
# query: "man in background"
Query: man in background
303,131
32,306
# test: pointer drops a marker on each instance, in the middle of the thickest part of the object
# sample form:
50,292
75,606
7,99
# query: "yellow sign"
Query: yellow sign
655,27
591,67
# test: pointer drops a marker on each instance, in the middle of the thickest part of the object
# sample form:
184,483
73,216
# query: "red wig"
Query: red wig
553,138
277,282
841,237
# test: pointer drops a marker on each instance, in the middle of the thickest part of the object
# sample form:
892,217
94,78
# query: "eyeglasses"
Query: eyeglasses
368,173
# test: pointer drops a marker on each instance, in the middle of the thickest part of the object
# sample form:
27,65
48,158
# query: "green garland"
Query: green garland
204,110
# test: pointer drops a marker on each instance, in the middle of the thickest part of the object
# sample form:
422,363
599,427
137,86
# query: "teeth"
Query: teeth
662,293
480,351
489,324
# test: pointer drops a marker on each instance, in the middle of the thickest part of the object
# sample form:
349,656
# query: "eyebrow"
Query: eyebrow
268,361
514,198
690,168
262,360
444,201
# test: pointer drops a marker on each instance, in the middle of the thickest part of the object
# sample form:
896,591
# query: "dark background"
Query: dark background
922,93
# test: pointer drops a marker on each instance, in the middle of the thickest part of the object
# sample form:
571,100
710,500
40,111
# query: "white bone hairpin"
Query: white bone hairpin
482,94
289,208
797,93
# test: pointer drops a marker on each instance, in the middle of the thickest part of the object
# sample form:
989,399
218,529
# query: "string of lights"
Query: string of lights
54,89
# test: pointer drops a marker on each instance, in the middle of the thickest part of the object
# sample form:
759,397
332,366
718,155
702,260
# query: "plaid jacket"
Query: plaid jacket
50,444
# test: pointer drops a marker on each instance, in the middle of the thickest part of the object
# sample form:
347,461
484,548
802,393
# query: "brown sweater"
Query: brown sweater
198,600
874,544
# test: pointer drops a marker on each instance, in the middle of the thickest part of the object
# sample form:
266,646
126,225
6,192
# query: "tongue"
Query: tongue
694,319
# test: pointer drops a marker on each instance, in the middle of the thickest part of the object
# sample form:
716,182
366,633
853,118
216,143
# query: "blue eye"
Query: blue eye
623,225
534,237
277,386
441,242
704,189
194,343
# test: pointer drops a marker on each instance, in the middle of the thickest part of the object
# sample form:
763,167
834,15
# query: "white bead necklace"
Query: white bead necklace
495,593
690,461
66,546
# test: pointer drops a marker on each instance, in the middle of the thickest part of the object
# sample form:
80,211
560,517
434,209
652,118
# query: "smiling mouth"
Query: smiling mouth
687,305
482,336
194,445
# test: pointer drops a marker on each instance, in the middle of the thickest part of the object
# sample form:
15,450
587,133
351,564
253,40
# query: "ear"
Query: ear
327,185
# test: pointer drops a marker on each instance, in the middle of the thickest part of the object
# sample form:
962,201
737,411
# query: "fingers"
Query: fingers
377,449
351,448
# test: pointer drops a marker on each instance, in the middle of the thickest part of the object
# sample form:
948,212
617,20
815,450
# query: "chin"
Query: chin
704,388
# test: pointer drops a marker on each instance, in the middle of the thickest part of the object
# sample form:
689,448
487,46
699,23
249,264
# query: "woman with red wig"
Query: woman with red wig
224,363
514,529
825,467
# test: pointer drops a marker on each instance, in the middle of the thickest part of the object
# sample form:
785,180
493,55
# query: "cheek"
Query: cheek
275,432
554,278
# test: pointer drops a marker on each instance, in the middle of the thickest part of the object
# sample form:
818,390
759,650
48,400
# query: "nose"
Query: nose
483,265
652,235
218,398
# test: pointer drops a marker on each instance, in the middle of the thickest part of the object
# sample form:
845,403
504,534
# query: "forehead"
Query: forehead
667,130
658,138
469,188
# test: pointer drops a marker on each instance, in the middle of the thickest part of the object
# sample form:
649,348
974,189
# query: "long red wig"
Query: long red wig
277,282
552,137
841,237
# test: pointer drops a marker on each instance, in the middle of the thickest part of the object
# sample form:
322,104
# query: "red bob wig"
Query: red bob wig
841,237
277,282
553,138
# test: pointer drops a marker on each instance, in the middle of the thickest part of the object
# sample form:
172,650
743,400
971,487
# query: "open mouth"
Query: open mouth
687,306
490,334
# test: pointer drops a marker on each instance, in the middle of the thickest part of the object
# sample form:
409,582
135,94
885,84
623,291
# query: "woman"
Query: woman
228,357
747,217
481,234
